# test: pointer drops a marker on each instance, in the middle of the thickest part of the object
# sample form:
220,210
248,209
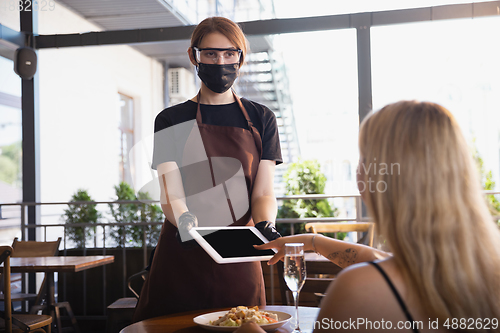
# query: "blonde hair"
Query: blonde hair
430,209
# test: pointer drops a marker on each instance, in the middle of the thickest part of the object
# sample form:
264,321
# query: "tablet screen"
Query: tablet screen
234,243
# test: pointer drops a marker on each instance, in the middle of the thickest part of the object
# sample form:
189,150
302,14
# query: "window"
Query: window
126,137
10,133
346,170
453,63
323,78
10,150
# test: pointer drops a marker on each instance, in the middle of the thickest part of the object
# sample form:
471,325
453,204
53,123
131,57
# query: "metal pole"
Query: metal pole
30,137
30,131
274,26
271,276
124,264
84,273
23,222
144,247
24,276
359,208
362,23
64,274
104,269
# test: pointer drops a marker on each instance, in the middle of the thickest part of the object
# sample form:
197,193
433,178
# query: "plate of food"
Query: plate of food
229,321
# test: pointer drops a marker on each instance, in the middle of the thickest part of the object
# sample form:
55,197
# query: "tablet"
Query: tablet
232,244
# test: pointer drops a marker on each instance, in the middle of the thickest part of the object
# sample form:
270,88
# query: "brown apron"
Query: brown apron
189,279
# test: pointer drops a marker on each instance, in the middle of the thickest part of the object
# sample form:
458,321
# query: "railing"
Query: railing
25,227
105,226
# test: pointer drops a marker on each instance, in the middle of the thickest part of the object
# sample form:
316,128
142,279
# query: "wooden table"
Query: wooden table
50,265
334,227
58,264
183,322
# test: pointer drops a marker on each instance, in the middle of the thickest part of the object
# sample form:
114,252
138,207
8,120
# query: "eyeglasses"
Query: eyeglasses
208,55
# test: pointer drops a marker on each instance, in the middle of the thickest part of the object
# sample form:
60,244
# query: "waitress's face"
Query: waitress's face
214,40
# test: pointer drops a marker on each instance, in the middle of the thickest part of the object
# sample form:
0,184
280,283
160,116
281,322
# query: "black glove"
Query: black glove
268,230
186,221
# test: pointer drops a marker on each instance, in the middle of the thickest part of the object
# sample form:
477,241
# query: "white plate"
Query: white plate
204,321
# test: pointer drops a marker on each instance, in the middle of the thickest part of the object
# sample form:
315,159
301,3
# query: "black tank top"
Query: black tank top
396,294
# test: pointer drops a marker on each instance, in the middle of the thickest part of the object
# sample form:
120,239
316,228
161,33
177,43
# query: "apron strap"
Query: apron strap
198,111
251,127
245,113
256,135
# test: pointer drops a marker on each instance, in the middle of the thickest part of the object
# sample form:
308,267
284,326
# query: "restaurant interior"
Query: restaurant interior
81,83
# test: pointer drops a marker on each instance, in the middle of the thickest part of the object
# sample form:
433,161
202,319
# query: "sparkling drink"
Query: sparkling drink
295,273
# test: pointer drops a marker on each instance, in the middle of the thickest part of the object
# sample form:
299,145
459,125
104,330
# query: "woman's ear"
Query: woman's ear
191,56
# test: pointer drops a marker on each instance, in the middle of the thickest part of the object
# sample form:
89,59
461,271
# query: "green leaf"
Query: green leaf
132,235
77,214
304,177
486,178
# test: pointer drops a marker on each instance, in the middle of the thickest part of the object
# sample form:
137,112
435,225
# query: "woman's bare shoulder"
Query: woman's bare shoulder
357,291
360,277
355,281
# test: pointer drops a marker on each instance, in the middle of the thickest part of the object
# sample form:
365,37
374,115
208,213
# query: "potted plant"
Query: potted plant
304,177
134,213
77,214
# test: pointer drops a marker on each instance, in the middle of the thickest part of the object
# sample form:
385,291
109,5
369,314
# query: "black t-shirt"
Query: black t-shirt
262,118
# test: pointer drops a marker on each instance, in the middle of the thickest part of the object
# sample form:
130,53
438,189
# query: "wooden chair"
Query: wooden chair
320,271
19,322
41,249
137,280
121,311
334,227
324,275
33,249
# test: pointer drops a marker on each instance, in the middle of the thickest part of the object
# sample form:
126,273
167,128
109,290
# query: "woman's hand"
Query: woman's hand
279,244
249,328
339,252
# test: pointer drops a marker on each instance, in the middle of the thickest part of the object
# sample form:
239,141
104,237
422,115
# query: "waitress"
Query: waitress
183,276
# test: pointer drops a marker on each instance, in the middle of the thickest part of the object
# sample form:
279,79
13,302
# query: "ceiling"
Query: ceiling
143,14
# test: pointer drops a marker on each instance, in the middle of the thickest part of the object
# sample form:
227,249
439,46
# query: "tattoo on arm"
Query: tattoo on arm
345,258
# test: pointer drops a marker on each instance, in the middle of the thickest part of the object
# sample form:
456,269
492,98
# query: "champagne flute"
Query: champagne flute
295,273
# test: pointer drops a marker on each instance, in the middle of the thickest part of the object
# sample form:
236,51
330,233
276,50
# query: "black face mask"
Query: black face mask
218,78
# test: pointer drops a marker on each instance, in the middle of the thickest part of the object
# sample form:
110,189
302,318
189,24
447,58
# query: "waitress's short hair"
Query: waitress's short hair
224,26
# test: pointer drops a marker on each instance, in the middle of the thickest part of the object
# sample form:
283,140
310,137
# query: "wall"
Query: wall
9,17
79,110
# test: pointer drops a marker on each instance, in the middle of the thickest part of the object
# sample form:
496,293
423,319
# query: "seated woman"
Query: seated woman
419,182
